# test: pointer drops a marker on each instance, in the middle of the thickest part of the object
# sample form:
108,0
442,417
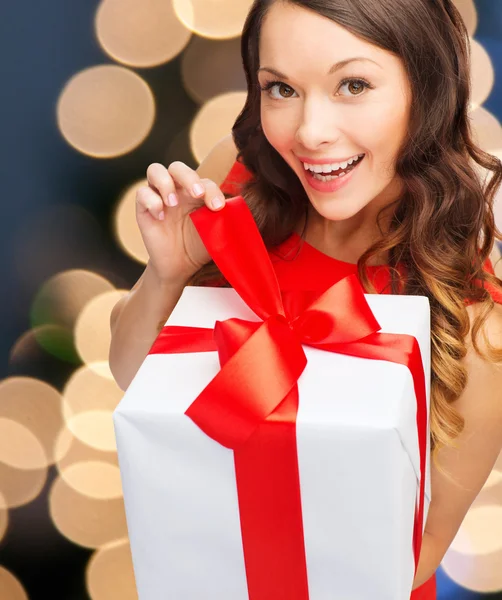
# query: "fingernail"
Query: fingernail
198,189
161,215
172,200
217,202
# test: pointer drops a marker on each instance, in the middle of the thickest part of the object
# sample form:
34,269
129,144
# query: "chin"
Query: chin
337,210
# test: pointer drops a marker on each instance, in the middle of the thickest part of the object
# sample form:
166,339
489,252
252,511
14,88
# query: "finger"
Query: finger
148,201
214,197
161,181
186,178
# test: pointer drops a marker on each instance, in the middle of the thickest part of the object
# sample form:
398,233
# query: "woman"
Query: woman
354,153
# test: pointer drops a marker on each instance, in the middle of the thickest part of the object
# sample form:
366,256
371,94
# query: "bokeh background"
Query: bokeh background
92,93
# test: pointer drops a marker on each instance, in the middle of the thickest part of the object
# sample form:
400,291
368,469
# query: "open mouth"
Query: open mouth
336,173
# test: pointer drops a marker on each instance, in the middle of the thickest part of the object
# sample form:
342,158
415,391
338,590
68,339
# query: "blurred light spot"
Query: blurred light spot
19,448
498,217
89,522
110,574
479,573
214,121
494,479
92,329
55,239
4,516
210,68
94,428
126,226
36,405
482,74
61,298
95,479
69,450
213,18
469,14
53,339
11,587
486,129
105,111
21,487
141,34
32,344
480,532
58,304
87,390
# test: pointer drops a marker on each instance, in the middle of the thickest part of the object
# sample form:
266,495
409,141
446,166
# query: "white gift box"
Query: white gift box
358,462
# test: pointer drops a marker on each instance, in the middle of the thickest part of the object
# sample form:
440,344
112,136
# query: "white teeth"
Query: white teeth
330,167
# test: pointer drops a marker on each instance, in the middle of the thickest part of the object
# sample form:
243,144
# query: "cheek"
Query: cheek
278,127
382,128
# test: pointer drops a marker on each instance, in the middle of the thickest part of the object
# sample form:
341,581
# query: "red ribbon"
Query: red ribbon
251,404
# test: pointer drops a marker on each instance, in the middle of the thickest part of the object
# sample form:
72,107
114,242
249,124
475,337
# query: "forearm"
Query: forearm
431,556
144,311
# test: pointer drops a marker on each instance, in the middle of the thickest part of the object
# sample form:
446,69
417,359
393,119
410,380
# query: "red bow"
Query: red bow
251,404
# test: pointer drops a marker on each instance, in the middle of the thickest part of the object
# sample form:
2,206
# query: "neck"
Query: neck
347,240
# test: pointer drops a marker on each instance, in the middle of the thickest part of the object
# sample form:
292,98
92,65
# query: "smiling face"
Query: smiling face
322,113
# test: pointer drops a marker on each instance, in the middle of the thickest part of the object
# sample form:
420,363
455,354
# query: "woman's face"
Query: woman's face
361,107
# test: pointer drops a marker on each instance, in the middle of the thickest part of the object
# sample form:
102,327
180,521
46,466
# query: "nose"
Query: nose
317,127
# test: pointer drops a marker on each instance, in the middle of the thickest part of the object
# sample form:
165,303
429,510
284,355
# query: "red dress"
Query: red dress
293,261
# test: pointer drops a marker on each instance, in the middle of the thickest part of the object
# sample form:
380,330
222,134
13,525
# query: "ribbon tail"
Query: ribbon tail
268,487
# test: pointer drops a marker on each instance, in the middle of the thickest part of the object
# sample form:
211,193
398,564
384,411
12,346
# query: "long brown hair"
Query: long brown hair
443,226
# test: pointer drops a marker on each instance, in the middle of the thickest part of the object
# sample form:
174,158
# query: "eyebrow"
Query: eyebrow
334,68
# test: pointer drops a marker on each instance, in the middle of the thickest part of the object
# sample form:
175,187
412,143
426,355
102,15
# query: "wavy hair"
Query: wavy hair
442,227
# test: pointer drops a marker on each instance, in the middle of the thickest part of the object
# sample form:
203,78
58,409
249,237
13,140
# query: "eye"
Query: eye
358,84
272,84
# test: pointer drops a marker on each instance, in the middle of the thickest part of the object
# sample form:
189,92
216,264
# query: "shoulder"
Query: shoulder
490,331
483,396
219,161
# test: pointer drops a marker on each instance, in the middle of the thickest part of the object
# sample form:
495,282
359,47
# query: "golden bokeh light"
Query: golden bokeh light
100,480
4,516
140,34
469,14
92,328
88,390
94,428
494,479
126,227
474,558
214,121
210,68
217,19
105,111
481,531
498,213
35,405
495,255
20,487
486,129
482,74
479,573
19,448
110,574
11,587
62,297
89,522
69,450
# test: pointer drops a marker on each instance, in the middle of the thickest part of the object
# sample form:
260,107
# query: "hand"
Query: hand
174,247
